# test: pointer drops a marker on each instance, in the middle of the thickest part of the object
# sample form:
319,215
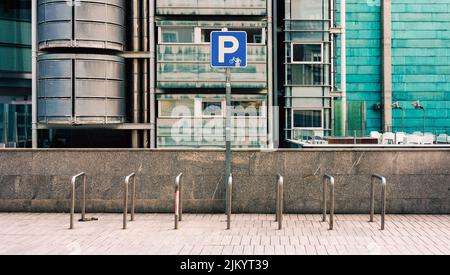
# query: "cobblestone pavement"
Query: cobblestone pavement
206,234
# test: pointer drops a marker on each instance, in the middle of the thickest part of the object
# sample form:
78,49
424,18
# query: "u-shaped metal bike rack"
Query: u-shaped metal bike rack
178,196
83,205
383,183
328,180
280,201
128,179
229,199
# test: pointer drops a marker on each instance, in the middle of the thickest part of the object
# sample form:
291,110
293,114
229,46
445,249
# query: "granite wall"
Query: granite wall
39,180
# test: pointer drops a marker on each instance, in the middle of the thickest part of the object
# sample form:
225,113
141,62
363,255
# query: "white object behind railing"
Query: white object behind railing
400,138
388,138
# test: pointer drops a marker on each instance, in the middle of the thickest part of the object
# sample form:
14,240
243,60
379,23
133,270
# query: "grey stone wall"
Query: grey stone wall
39,180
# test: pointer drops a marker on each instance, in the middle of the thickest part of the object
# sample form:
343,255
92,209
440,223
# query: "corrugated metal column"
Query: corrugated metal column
152,73
387,65
34,113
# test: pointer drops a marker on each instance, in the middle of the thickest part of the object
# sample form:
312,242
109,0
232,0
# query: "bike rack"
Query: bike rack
178,205
83,206
383,198
126,185
280,200
328,180
230,199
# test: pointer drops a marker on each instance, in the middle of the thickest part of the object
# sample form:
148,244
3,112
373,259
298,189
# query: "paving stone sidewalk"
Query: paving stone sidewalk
206,235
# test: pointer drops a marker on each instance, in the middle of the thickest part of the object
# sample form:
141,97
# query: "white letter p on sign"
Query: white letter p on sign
224,50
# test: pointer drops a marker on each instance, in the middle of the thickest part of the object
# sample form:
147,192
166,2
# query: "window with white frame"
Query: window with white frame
303,53
307,119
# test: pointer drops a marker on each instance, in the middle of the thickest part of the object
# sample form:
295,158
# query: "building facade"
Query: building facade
190,93
15,73
137,73
420,65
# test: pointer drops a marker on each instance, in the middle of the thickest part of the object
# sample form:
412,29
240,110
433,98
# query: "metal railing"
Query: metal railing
328,180
280,201
126,185
83,205
178,205
229,200
383,198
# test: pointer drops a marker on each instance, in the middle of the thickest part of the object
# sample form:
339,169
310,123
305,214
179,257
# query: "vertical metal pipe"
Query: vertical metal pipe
177,199
229,199
133,198
270,85
372,199
280,201
176,204
324,200
276,113
277,202
327,179
343,67
145,71
145,102
83,207
332,24
383,204
72,205
125,204
152,72
135,47
332,203
34,91
228,129
332,59
181,200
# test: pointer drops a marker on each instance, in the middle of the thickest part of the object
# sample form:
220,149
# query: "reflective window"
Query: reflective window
177,35
309,9
307,53
307,118
308,74
176,108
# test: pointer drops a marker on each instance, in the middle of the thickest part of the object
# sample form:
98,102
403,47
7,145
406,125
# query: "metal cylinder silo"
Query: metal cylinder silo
96,24
81,89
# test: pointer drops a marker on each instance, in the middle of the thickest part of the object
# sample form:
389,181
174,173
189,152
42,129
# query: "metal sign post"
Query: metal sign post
228,128
228,50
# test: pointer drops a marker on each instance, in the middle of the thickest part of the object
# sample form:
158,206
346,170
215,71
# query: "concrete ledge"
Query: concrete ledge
38,180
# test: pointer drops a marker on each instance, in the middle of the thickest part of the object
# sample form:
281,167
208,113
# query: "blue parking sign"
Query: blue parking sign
228,49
